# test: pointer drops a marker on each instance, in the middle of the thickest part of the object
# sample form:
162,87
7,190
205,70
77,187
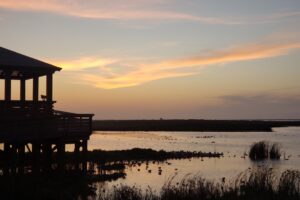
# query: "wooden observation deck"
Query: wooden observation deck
35,123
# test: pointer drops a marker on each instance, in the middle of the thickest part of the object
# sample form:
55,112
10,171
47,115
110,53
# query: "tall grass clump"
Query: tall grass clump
289,184
263,150
258,183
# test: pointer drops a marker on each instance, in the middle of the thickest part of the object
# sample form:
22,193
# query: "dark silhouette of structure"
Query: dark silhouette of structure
33,126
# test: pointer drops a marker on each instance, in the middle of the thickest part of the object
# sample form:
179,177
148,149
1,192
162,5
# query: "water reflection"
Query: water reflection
234,145
72,182
52,182
50,185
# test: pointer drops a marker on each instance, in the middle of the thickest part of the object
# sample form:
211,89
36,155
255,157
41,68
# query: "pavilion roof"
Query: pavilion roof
23,66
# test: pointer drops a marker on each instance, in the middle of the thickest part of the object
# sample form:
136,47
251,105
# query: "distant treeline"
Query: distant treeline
190,125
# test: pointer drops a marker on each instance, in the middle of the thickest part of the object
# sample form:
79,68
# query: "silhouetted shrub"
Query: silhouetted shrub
275,151
263,150
259,150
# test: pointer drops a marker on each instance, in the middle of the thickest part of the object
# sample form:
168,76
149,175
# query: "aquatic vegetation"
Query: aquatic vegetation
136,154
258,183
264,150
259,151
113,166
275,151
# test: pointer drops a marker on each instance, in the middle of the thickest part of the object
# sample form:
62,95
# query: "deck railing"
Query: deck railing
58,125
73,124
28,107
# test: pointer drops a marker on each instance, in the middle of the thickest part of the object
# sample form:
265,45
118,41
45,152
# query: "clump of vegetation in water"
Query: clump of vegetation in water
275,151
264,150
259,183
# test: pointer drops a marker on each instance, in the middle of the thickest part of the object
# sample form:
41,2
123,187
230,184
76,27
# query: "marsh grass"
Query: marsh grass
258,183
289,184
191,188
124,192
264,150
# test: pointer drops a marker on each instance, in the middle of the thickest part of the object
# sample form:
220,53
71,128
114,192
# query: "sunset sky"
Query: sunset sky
147,59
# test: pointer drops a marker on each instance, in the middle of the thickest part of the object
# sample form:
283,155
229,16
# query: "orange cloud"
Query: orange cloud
84,63
108,78
242,53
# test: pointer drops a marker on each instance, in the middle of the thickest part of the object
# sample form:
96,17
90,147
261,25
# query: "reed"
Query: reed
289,184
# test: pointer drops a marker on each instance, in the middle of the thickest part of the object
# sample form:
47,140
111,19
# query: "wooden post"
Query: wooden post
22,89
21,158
36,151
61,155
49,91
77,155
6,158
84,155
35,88
47,154
7,86
13,158
49,87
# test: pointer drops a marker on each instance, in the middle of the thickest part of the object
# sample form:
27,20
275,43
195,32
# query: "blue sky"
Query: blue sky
163,58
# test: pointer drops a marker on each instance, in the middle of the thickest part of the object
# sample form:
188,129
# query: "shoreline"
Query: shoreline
191,125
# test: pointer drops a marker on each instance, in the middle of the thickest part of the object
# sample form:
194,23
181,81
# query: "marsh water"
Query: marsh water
234,145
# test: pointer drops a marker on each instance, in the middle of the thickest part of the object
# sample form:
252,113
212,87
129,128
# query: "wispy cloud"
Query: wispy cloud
112,10
118,73
134,10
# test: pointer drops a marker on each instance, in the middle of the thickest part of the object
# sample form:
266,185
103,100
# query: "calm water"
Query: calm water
233,144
